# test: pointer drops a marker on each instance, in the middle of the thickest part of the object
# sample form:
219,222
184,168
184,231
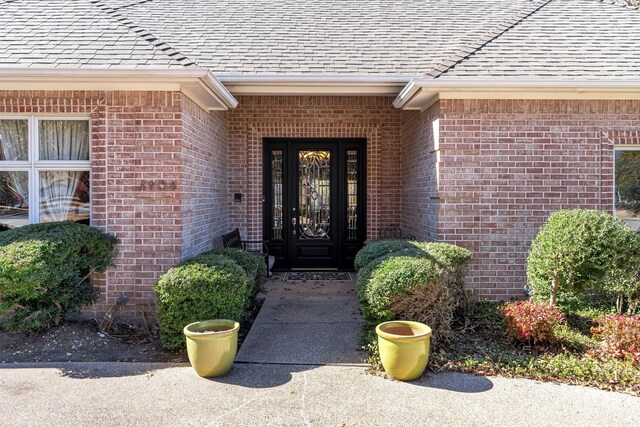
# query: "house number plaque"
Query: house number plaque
157,185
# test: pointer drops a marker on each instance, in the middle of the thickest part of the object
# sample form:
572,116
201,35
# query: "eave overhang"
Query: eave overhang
198,84
419,94
320,85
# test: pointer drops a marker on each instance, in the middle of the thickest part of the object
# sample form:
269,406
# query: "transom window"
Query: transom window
627,185
45,169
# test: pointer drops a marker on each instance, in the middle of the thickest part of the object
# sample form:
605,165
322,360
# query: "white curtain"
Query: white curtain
14,145
61,140
64,140
58,189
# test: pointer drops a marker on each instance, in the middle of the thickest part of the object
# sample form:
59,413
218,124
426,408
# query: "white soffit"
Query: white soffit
420,94
322,84
198,84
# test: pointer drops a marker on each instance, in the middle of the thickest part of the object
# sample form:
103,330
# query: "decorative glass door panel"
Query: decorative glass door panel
314,191
314,198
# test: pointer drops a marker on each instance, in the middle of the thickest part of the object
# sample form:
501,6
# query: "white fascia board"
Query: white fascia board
220,90
197,83
318,84
419,94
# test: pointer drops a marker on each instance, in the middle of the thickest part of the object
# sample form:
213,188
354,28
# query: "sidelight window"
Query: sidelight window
352,194
277,175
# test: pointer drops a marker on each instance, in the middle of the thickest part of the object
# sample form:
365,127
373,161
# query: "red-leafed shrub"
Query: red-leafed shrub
620,336
531,322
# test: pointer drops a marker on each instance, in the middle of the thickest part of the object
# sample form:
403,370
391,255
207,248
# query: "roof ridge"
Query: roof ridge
466,51
144,34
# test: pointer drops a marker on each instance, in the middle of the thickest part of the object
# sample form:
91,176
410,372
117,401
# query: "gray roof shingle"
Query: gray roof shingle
402,37
564,39
444,39
73,34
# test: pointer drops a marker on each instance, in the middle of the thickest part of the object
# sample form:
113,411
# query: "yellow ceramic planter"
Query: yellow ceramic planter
404,348
212,346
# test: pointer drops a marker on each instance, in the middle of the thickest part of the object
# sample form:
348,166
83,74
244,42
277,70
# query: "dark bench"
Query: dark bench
233,240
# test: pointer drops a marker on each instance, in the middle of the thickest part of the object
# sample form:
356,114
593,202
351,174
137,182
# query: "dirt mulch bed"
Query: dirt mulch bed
82,341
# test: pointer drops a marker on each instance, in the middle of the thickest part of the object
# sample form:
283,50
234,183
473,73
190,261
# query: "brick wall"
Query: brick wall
141,142
205,195
144,137
506,165
373,118
487,182
420,173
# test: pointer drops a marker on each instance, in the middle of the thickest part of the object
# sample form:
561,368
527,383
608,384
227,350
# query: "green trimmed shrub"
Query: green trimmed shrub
574,249
415,284
397,276
45,272
364,274
622,283
450,255
215,288
443,252
447,257
252,263
378,249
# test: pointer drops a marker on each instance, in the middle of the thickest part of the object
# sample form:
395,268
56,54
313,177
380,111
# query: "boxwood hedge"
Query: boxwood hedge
45,272
252,263
379,249
207,287
576,249
421,281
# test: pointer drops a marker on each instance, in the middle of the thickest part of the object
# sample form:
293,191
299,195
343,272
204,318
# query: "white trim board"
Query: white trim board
314,84
420,94
198,84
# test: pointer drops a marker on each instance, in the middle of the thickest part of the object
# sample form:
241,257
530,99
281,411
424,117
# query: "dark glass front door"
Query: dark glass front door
314,201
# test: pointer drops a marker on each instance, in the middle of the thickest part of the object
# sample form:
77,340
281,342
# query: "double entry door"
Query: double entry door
314,201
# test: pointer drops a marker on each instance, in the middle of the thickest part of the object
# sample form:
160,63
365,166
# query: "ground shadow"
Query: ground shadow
91,370
455,381
261,375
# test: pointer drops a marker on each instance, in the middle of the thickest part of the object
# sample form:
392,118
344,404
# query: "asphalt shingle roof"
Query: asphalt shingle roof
74,34
401,37
564,39
444,39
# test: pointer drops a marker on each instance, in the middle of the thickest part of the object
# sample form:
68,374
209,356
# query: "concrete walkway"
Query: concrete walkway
306,322
298,366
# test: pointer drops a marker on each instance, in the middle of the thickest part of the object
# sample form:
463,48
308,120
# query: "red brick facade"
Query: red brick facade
506,165
484,174
142,144
420,169
205,192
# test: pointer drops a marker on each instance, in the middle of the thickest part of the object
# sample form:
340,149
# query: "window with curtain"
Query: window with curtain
44,170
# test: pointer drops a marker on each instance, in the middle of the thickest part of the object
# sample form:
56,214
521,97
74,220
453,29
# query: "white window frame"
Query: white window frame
34,165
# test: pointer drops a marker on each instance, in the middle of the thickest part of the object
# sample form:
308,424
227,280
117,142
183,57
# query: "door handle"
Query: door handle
294,221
